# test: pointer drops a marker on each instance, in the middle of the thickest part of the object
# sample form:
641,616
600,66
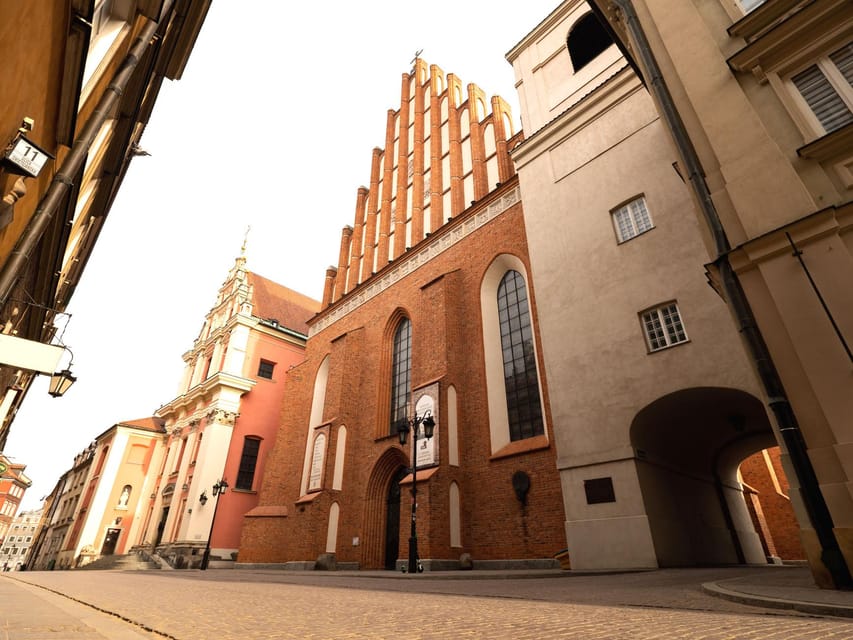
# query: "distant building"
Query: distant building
79,83
103,509
430,312
19,539
59,508
13,485
224,422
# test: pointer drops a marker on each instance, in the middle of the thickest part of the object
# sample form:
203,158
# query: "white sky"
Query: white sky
272,126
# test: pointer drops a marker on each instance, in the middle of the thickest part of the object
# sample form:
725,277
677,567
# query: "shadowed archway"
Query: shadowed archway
688,445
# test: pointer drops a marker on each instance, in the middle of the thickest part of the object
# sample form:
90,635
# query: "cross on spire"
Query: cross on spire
415,59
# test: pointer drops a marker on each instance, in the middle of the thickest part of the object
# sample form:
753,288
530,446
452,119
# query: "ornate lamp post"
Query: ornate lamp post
218,489
403,426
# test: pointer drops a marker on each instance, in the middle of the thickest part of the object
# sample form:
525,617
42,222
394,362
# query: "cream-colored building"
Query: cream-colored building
758,100
653,399
107,516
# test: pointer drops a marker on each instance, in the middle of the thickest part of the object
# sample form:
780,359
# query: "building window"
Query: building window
827,88
108,19
248,461
519,359
750,5
265,369
401,370
662,327
632,219
586,41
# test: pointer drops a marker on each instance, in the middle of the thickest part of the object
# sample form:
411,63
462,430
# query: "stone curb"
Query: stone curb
814,608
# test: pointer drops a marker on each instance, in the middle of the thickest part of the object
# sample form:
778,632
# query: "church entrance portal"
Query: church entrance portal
392,522
110,540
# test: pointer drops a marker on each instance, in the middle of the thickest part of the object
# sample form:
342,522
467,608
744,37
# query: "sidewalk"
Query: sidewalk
790,588
31,613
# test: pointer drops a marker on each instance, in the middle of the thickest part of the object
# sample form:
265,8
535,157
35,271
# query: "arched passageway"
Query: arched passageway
689,445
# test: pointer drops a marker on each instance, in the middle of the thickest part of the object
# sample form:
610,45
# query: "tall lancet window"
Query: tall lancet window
519,359
401,369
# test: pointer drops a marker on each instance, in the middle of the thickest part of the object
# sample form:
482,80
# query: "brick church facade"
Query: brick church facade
428,313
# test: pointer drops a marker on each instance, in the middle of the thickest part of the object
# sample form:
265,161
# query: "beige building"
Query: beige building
654,401
106,512
18,542
758,101
59,509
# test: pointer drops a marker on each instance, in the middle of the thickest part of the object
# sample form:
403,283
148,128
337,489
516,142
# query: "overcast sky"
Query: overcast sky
271,127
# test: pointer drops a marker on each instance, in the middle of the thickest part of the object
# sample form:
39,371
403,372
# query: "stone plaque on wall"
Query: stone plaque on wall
318,458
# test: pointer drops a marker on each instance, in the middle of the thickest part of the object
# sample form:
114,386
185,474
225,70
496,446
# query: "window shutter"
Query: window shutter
843,59
826,104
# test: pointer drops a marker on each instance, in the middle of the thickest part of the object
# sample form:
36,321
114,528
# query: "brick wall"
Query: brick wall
759,473
442,300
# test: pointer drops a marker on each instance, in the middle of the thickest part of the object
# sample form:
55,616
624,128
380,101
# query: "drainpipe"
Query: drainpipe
63,179
818,511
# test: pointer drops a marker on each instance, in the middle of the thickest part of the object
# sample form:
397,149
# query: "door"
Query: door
161,526
392,521
110,541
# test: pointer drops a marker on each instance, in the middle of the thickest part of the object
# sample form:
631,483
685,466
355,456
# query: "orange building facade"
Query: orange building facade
223,423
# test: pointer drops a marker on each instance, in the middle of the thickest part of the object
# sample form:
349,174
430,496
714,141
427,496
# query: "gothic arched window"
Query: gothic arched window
401,368
519,359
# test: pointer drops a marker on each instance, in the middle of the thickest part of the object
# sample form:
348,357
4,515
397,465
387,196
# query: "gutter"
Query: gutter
818,511
63,179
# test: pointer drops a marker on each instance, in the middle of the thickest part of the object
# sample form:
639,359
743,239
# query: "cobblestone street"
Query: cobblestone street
244,605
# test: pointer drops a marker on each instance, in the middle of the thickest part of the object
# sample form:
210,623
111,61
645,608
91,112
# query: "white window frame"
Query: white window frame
748,6
636,216
836,80
109,19
659,328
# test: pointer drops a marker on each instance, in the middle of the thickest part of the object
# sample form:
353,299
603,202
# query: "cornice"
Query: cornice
612,91
796,36
218,379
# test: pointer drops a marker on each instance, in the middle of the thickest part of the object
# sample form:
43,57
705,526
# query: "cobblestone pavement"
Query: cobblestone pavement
244,605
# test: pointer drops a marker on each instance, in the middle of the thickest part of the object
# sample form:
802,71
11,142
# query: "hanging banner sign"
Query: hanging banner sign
29,354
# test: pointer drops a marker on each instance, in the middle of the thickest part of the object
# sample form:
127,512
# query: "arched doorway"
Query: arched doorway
689,445
392,521
378,544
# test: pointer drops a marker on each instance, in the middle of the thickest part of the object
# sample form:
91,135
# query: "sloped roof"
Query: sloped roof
151,423
272,301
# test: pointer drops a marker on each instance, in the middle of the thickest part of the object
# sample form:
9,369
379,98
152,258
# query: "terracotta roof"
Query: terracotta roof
152,423
273,301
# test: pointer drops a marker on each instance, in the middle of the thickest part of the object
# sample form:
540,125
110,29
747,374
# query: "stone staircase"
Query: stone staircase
128,562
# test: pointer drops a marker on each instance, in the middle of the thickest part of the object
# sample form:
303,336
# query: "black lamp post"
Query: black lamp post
402,431
218,489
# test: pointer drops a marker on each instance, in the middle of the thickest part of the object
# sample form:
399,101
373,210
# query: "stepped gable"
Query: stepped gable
272,301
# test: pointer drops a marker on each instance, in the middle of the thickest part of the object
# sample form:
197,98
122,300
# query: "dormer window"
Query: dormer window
586,41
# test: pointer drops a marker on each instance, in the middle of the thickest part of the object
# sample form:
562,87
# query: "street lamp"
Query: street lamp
218,489
402,431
